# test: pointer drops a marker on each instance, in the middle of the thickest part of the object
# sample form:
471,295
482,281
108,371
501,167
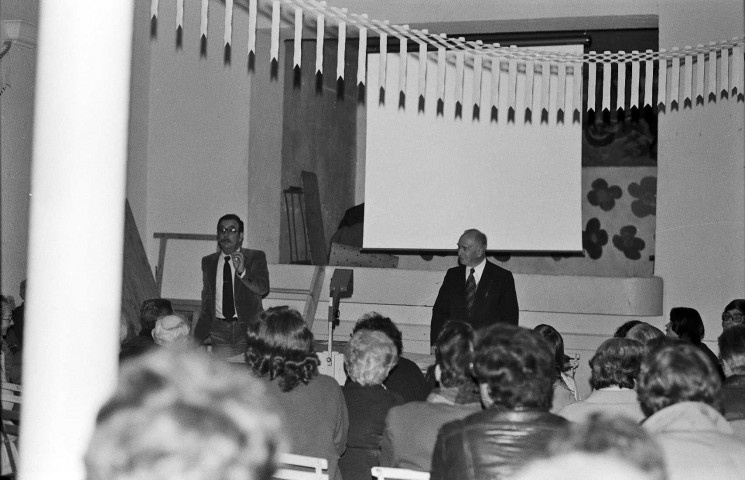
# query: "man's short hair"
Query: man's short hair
687,324
180,414
618,437
153,309
516,365
379,323
478,235
231,216
172,330
616,363
643,333
369,356
677,372
732,348
453,351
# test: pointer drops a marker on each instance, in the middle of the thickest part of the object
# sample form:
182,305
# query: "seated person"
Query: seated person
732,353
686,324
645,334
179,415
369,356
516,376
172,331
9,353
606,437
680,391
734,313
150,312
280,352
406,378
565,390
614,368
624,329
411,429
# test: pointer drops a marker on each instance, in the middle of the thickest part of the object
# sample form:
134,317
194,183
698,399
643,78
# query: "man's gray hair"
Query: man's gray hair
172,330
182,415
369,357
477,235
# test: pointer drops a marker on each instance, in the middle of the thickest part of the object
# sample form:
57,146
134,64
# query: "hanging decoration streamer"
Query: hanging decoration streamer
552,79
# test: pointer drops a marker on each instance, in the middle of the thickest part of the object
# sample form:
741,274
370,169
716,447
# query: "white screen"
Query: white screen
428,177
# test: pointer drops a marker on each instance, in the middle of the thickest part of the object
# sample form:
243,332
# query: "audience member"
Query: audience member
369,356
19,314
732,353
644,333
624,329
613,372
565,389
734,313
615,436
406,378
150,312
10,364
280,352
682,394
172,331
411,429
179,415
516,374
686,323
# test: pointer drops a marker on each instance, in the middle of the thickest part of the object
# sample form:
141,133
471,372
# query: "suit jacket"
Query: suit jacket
247,291
496,300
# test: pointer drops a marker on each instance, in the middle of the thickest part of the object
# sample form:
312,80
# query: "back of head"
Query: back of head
377,322
687,324
369,356
281,346
152,310
677,372
180,415
453,350
614,436
624,329
582,466
172,331
556,343
643,333
732,350
516,366
616,363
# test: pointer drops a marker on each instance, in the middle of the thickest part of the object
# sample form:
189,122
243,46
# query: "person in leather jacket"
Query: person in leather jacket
516,374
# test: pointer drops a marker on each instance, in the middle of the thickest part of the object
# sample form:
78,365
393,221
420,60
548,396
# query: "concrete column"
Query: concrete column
76,229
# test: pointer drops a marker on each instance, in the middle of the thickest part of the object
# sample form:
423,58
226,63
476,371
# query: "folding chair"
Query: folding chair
301,467
383,473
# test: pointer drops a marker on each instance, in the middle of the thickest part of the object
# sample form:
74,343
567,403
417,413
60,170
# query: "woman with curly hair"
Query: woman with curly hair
281,353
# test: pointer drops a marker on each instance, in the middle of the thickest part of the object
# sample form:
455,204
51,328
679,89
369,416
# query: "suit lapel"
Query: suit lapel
213,268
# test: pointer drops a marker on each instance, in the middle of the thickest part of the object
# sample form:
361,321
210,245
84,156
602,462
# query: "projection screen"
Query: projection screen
428,177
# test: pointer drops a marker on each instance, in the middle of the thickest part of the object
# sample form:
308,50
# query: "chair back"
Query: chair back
301,467
383,473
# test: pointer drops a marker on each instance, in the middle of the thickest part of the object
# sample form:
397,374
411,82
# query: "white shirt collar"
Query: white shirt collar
478,270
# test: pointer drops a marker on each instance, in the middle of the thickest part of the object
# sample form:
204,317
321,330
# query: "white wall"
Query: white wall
700,250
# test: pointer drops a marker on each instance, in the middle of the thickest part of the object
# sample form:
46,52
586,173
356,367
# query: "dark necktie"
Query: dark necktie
470,291
228,305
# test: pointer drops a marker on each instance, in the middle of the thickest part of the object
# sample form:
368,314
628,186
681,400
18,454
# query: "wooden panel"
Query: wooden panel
314,219
138,283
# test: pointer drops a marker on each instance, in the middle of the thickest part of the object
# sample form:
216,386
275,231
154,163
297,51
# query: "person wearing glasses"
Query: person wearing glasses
234,280
734,313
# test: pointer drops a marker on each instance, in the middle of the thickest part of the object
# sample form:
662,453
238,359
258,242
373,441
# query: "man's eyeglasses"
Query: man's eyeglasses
733,317
227,230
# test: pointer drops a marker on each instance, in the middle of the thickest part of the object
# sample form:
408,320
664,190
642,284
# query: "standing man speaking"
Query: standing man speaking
476,291
234,280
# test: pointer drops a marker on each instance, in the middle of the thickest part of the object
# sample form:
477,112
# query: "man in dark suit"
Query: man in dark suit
234,280
476,291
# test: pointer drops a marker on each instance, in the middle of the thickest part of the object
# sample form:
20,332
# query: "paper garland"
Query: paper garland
560,74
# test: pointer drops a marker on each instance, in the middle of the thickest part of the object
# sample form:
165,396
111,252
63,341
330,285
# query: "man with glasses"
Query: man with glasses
234,280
